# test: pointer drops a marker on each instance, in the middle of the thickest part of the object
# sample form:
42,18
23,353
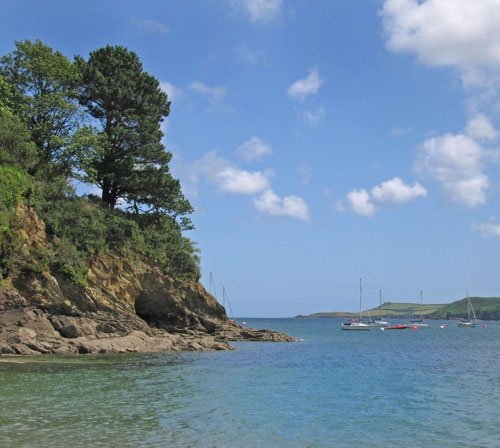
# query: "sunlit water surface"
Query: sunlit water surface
427,388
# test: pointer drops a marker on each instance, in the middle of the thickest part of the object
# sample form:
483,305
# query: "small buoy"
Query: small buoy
382,328
243,323
414,327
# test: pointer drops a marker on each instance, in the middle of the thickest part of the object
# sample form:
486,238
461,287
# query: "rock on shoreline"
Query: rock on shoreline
27,330
125,305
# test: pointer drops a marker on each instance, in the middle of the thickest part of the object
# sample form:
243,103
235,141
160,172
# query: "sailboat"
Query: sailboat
357,325
468,323
420,322
380,322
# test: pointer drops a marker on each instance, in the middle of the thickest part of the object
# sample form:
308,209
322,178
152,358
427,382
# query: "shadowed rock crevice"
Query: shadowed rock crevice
123,307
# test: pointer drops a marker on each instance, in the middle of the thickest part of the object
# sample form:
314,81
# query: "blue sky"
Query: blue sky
319,141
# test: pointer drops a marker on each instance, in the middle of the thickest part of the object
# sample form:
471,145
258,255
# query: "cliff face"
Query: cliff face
125,306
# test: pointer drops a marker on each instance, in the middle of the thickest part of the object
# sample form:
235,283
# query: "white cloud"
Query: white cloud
233,180
214,94
149,25
253,150
302,88
460,33
314,118
172,91
360,203
480,128
293,206
393,191
455,161
237,181
487,229
229,178
260,11
465,35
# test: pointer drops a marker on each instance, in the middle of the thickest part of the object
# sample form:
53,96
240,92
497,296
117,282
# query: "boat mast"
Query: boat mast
227,303
380,300
360,294
212,283
421,306
468,304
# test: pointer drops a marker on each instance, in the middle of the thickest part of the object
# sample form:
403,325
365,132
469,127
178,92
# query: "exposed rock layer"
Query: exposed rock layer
125,306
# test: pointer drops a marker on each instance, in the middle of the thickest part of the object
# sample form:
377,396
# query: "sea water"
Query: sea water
430,387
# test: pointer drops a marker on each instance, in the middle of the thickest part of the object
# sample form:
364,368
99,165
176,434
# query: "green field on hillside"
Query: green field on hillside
486,308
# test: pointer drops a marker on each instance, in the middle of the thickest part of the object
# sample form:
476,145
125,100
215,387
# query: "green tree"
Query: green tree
44,84
16,147
6,94
128,160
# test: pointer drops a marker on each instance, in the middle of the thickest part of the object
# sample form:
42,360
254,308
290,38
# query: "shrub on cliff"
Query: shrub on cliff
97,121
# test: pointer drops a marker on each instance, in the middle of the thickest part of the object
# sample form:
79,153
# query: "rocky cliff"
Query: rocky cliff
124,306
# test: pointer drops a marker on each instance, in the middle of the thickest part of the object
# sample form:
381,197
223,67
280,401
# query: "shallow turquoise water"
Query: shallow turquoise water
425,388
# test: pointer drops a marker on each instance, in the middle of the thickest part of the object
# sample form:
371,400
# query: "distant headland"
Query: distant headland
486,308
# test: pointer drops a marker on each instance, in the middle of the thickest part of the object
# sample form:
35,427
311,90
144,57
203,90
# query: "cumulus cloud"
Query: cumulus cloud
253,150
360,202
488,229
309,85
395,191
390,192
231,179
293,206
456,161
460,33
228,177
481,129
259,11
151,26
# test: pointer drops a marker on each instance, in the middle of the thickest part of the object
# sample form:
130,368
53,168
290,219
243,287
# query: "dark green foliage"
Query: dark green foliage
127,160
46,142
44,84
16,147
165,245
6,94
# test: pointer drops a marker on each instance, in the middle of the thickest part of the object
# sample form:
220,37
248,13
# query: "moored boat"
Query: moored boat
380,322
397,327
468,323
357,325
420,322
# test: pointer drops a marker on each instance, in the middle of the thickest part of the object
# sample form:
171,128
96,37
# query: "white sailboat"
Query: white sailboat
420,322
357,325
468,323
380,322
